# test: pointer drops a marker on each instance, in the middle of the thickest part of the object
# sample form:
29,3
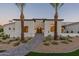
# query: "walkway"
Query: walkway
25,48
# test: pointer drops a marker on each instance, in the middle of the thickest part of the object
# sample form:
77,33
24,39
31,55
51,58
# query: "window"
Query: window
25,28
9,28
78,31
52,28
62,29
67,31
71,31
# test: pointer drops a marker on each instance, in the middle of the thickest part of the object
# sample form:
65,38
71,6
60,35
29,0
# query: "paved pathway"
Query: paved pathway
25,48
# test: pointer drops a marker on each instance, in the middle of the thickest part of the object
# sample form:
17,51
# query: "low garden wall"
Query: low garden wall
69,34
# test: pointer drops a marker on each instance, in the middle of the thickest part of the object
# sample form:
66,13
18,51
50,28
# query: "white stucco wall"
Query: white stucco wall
17,31
30,32
9,32
69,34
47,28
73,27
31,28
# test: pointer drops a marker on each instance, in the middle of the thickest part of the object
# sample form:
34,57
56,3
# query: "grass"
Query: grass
75,53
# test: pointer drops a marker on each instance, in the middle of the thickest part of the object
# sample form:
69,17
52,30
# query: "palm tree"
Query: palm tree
56,6
21,7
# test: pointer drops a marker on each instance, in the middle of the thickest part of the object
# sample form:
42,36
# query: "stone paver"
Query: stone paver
25,48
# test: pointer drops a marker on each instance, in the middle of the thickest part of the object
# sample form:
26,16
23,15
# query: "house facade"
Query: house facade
31,27
71,28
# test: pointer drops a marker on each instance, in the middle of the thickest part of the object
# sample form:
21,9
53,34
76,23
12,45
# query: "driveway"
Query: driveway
25,48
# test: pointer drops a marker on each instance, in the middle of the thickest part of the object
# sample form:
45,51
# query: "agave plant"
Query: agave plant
56,6
21,8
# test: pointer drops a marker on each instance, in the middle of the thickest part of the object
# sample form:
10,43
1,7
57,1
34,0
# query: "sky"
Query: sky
69,12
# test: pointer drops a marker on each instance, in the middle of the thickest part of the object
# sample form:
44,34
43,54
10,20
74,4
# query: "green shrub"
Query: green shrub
18,38
29,38
76,36
11,41
0,41
1,34
63,38
2,51
65,42
14,39
44,40
70,40
49,38
69,36
46,44
24,41
5,37
16,43
8,42
54,43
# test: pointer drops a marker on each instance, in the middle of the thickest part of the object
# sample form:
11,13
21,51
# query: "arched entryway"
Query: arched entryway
39,30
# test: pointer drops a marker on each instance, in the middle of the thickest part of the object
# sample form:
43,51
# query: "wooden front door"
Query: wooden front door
39,30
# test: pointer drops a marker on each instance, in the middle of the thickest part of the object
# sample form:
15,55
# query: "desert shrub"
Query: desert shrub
0,41
48,38
1,34
24,41
8,42
11,41
65,42
76,36
70,40
2,51
4,37
54,43
7,36
46,43
16,43
29,38
63,38
44,40
14,39
18,38
69,36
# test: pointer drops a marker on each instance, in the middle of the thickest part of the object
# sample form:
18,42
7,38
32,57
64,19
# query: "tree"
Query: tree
56,6
21,7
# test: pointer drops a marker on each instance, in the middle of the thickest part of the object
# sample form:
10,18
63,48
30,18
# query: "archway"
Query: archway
39,30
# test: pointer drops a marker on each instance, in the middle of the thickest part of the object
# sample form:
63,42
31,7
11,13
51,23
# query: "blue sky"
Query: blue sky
68,12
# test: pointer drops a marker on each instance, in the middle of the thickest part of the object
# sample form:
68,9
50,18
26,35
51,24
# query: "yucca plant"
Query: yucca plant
56,6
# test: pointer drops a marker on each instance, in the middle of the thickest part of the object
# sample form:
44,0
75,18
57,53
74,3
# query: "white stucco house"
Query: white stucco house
46,26
71,28
31,27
